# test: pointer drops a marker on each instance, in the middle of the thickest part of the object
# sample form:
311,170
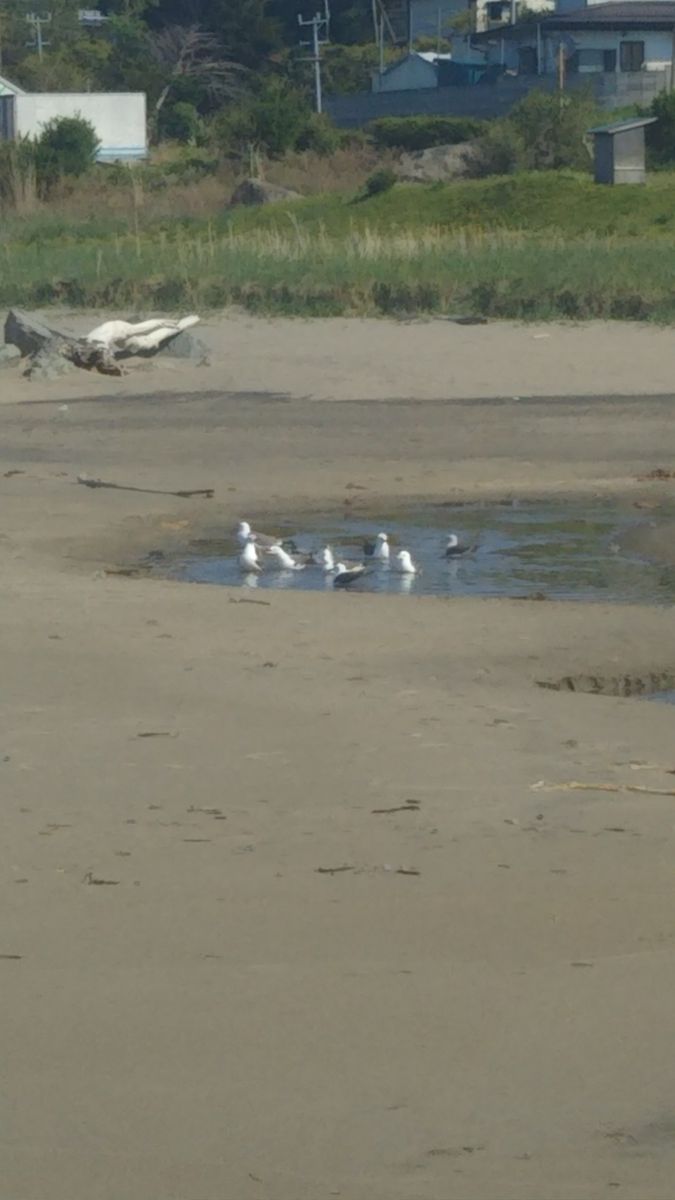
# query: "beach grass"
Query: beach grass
528,247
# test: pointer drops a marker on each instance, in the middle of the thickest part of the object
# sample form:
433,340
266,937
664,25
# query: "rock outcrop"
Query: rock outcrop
28,334
258,191
438,164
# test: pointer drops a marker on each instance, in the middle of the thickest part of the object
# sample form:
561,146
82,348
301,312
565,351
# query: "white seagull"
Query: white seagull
379,549
138,337
404,563
283,559
245,534
248,559
455,548
344,576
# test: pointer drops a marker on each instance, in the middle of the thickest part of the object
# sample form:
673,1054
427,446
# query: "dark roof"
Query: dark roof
622,14
619,14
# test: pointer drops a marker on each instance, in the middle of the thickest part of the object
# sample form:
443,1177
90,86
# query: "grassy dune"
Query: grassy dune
536,246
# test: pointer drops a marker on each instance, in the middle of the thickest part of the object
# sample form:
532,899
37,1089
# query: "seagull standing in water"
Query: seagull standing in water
345,576
248,559
379,549
283,559
245,534
455,548
404,563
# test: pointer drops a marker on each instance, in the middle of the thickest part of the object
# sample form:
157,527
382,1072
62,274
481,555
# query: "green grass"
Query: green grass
531,246
562,201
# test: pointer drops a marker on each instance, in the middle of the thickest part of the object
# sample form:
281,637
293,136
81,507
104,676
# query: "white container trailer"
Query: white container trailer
118,118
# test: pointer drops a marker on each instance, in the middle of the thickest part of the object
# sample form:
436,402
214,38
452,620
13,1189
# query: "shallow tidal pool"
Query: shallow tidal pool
536,549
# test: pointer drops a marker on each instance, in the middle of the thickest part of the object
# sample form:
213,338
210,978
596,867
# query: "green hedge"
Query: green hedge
419,133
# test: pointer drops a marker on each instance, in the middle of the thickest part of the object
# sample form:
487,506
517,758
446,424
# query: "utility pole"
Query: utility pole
37,22
320,26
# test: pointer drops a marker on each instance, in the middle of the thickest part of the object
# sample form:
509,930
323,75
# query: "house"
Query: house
622,38
418,70
91,18
434,18
117,117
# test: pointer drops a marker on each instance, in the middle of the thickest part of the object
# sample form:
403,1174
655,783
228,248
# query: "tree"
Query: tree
553,128
189,53
351,20
246,29
131,65
273,118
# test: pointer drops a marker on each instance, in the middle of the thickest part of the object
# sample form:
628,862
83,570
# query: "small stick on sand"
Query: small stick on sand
207,493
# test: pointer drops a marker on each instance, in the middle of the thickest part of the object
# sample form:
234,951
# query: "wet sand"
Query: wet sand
290,908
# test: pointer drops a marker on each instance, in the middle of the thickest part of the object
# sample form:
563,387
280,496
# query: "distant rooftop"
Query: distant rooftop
619,14
656,14
623,126
429,56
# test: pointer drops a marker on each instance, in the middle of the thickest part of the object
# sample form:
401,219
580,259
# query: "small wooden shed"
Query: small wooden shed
619,151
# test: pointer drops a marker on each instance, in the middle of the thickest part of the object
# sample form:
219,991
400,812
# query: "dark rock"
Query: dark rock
185,345
258,191
9,356
27,333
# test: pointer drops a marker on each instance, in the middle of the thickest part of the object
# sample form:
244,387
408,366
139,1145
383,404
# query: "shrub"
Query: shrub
553,128
380,181
66,147
542,132
661,136
273,118
500,151
17,175
319,135
181,123
419,133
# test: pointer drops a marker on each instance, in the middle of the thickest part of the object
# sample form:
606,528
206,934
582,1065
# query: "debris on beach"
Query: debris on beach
184,494
50,353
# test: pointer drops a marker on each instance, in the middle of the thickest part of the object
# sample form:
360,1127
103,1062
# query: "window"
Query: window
495,10
591,62
632,56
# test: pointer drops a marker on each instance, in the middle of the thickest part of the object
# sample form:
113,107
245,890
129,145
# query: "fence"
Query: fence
612,90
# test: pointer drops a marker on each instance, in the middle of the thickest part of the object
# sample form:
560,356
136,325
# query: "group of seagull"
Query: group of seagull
377,553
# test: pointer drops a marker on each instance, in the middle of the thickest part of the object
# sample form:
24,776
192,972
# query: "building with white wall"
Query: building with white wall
119,118
621,37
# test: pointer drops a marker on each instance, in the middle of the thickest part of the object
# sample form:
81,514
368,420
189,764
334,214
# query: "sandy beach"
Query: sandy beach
237,962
